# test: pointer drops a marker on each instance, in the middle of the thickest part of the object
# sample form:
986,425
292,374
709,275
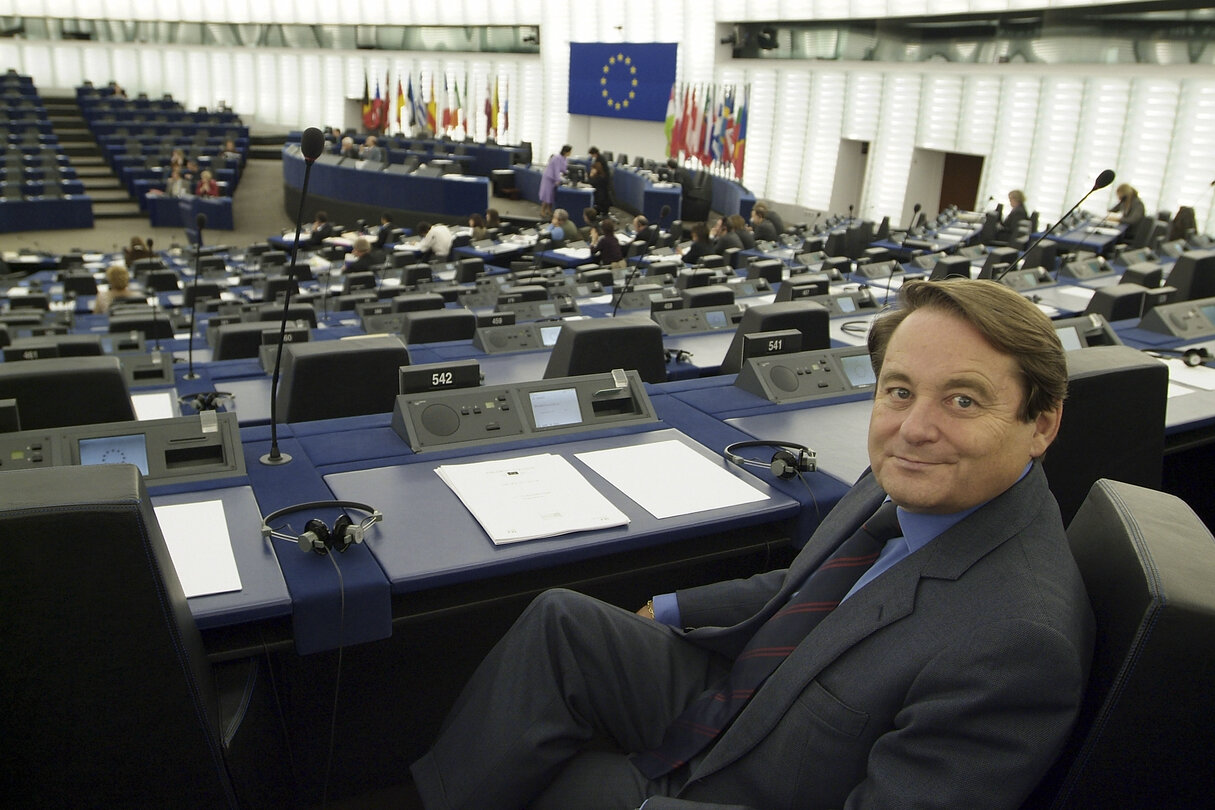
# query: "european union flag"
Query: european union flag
621,80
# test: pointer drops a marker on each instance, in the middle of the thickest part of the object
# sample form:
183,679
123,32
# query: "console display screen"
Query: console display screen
846,304
716,318
548,335
858,370
555,408
131,449
1070,338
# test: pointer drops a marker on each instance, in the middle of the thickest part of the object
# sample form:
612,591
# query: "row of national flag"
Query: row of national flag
708,123
445,110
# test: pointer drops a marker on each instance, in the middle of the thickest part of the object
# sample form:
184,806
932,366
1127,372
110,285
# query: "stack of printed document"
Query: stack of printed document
530,497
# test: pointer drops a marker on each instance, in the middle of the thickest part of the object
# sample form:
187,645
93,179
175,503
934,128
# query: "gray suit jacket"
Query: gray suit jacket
950,681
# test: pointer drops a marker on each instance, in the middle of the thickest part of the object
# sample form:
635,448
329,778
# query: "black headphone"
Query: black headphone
788,461
207,400
319,537
1191,357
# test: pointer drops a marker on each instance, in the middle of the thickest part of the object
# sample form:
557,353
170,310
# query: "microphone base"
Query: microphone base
191,376
270,460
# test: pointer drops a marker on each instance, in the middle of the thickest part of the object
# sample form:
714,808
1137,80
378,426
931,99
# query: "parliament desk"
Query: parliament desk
1091,235
639,194
181,212
572,198
450,197
41,213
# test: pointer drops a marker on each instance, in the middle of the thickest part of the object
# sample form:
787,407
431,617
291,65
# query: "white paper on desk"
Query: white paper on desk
669,478
1201,377
526,498
156,405
198,541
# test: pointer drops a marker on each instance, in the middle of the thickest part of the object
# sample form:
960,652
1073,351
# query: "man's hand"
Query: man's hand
647,610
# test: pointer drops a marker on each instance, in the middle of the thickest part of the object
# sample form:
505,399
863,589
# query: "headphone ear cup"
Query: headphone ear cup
784,464
316,537
342,534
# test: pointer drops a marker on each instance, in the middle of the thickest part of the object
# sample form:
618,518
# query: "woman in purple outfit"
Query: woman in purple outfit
549,181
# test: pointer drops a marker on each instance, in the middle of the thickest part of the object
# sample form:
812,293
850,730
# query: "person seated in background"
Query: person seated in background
231,152
191,172
929,645
739,227
373,151
177,160
700,244
600,179
383,236
360,255
349,150
436,241
1010,226
724,238
761,226
771,215
176,185
207,187
590,216
1183,224
1129,210
561,229
136,250
476,224
605,248
640,225
321,229
118,279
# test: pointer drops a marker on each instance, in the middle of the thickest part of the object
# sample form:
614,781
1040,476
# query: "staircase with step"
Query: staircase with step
111,200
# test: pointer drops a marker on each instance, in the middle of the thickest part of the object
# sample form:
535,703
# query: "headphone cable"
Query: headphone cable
337,680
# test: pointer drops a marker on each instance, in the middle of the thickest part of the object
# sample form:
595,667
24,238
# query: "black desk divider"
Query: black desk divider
803,376
502,413
539,310
185,449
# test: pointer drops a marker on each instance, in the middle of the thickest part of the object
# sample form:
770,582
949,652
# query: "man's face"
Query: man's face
945,434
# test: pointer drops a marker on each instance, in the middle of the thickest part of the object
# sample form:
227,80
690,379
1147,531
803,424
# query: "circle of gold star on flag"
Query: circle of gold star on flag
619,82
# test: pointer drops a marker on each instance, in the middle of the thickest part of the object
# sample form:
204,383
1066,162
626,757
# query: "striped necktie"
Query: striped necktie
775,640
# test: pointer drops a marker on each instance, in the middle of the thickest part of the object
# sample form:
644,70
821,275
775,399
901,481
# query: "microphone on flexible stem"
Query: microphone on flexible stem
200,221
850,207
915,212
628,285
312,143
1104,179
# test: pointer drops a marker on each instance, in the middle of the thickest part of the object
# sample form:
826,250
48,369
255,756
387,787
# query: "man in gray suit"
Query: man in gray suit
948,676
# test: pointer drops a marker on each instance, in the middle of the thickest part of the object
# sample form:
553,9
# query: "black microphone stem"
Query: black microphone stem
201,221
311,145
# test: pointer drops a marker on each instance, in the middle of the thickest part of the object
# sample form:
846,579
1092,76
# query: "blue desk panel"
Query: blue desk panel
180,212
639,194
429,538
454,196
572,199
46,213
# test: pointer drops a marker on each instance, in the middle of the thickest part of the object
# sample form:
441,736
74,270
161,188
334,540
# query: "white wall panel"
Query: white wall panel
1054,145
1151,121
939,113
892,148
826,114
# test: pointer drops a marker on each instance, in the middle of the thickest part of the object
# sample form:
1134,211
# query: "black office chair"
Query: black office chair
1143,738
597,345
109,697
62,391
1113,424
808,317
329,379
